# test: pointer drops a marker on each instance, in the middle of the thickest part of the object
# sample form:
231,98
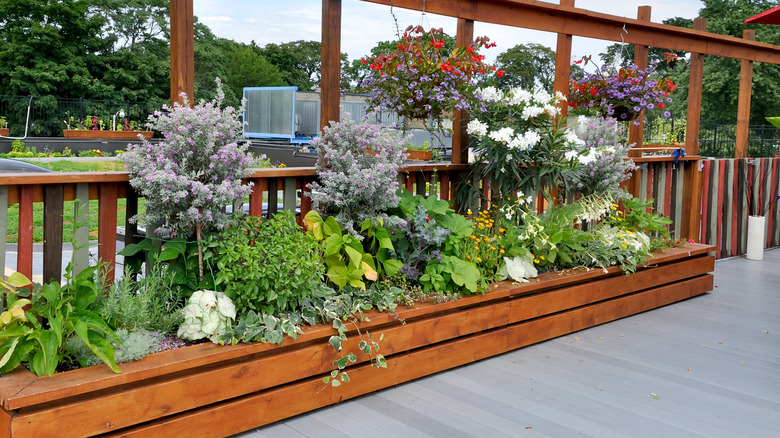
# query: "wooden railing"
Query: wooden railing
273,189
720,216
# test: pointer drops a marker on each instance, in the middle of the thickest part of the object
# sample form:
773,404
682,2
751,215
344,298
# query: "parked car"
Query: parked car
8,166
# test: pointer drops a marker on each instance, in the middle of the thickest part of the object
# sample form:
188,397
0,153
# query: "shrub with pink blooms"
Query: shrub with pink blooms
194,171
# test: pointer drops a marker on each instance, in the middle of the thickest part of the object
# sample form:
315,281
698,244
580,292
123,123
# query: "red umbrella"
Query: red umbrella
771,16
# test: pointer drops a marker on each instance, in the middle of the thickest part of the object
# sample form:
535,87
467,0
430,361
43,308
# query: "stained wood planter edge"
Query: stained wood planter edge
210,390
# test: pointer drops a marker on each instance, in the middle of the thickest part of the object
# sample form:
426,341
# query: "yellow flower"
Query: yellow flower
469,212
479,259
473,236
476,247
501,251
468,257
541,257
493,248
501,230
624,246
487,239
478,240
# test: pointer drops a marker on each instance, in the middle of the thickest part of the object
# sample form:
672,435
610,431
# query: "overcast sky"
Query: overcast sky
364,24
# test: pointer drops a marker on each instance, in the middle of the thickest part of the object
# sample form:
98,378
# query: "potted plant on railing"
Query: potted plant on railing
94,127
622,93
4,131
420,80
421,152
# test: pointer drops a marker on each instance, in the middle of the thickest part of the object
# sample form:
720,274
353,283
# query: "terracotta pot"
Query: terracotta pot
127,135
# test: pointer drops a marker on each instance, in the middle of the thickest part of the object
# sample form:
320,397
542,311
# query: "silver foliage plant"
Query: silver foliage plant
358,170
195,170
602,156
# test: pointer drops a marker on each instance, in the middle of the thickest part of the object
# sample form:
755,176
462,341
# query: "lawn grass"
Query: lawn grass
81,166
13,220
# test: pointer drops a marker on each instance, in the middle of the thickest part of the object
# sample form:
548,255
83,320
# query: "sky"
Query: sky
364,24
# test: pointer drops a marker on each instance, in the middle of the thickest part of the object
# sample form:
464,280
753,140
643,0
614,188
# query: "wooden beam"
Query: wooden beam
563,64
331,62
530,14
460,140
743,107
182,50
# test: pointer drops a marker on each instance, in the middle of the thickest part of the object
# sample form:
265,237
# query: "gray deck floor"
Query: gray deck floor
705,367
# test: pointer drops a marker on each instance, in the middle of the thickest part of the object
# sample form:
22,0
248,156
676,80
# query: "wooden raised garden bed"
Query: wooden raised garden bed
210,390
5,132
103,134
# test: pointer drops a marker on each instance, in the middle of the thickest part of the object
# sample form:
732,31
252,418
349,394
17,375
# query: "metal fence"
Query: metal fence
717,140
49,115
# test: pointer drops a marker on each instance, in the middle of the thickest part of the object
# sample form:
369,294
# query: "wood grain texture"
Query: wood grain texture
52,232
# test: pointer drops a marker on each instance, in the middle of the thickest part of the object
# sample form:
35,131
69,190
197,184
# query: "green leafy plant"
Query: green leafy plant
177,260
56,312
151,302
349,259
266,265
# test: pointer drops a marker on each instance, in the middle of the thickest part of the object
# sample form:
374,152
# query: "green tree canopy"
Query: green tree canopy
526,65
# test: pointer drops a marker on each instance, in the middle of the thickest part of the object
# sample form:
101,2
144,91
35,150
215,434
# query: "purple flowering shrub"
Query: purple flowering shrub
358,171
602,157
194,171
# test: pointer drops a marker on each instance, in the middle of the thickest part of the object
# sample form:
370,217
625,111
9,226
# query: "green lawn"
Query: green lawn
13,220
81,166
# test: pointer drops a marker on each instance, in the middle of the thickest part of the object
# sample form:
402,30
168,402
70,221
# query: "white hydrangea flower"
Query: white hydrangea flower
542,96
532,138
572,138
475,127
491,94
530,112
503,135
519,96
552,110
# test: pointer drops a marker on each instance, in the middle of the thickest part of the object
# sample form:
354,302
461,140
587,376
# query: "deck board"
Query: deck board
713,361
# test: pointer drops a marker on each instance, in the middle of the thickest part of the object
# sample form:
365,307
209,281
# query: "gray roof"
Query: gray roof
705,367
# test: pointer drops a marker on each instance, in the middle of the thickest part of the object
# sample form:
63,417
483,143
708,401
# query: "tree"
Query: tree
248,68
527,66
299,62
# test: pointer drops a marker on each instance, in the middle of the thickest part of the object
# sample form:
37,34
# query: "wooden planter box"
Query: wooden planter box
5,132
108,135
210,390
418,154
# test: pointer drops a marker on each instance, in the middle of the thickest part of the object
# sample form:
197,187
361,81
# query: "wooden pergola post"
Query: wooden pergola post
563,64
182,50
743,107
692,191
636,132
330,77
460,140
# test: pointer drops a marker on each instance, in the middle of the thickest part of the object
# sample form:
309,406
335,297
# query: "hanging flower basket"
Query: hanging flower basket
621,93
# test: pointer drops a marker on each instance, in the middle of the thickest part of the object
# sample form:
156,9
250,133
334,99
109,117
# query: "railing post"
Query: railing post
330,78
635,132
52,232
692,189
743,106
460,146
182,51
563,64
